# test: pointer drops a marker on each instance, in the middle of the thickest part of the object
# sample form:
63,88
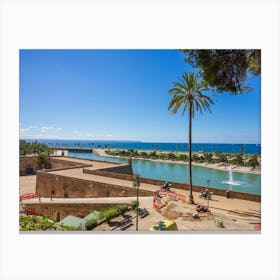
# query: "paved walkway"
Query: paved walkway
95,164
78,173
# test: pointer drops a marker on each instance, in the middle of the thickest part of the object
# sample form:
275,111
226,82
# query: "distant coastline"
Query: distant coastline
218,166
152,146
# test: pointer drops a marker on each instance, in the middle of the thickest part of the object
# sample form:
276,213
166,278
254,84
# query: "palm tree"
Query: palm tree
188,93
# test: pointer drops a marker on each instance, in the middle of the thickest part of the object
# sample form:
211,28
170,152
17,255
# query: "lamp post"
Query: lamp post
136,183
208,195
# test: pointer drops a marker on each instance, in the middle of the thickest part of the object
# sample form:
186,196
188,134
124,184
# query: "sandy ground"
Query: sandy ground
218,166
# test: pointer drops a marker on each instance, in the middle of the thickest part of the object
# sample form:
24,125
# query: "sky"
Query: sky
123,95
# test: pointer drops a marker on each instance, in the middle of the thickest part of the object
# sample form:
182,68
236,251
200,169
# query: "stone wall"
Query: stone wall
25,163
94,160
53,210
123,169
48,185
219,192
240,195
56,163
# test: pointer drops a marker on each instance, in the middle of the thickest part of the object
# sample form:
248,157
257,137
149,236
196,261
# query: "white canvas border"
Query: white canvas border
124,24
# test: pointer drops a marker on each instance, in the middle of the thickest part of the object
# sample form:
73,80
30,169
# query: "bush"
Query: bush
43,161
91,224
121,208
143,154
153,155
171,156
134,204
109,214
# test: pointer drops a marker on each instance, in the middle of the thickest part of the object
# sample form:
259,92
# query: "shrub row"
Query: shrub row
91,224
109,214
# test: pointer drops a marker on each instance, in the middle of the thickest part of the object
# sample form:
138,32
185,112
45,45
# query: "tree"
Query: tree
208,157
188,94
27,148
171,156
239,159
253,161
42,161
226,70
143,154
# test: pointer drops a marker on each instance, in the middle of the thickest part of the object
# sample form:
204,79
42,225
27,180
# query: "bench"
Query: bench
125,223
143,212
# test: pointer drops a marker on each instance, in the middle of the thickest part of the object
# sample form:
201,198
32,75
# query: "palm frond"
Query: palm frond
187,92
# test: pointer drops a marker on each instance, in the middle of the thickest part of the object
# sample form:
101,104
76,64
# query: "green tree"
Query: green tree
143,154
171,156
153,155
42,161
188,94
208,157
253,161
27,148
238,159
226,70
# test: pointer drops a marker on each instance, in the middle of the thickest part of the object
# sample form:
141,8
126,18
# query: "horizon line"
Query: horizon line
137,141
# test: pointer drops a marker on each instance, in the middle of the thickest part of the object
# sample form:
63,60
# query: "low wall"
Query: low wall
54,185
113,172
24,163
56,163
62,210
94,160
121,169
239,195
234,194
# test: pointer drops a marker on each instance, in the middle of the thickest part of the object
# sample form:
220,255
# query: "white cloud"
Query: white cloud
40,132
53,132
50,128
28,128
40,136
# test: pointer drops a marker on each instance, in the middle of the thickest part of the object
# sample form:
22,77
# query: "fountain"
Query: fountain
230,180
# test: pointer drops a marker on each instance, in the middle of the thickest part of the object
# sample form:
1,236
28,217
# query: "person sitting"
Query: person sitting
204,194
166,186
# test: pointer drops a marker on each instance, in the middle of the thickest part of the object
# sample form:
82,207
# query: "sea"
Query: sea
152,146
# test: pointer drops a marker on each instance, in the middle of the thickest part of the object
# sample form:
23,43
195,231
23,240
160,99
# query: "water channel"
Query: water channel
251,183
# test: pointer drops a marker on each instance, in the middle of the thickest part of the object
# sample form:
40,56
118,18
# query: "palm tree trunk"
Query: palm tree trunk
190,154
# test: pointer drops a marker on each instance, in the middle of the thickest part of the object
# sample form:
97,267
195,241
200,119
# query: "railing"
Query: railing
28,196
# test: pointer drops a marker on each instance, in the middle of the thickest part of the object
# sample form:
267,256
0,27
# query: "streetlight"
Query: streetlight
208,194
136,183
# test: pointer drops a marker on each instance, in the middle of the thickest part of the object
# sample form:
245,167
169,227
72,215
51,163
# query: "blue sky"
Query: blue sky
123,95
